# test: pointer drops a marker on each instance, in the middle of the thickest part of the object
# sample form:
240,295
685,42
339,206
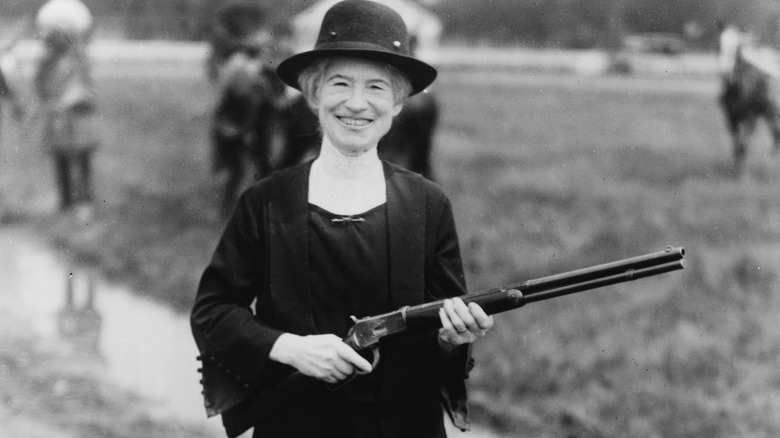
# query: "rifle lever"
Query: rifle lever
374,362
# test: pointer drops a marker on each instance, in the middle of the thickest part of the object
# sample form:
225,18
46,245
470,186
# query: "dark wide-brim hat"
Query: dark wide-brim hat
362,29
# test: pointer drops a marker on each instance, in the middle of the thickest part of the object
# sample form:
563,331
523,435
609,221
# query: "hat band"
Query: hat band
354,45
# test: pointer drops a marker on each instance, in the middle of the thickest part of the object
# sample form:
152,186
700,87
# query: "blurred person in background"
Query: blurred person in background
8,95
235,22
9,71
729,41
345,235
66,94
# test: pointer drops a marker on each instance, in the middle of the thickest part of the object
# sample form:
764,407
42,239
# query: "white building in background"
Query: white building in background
422,23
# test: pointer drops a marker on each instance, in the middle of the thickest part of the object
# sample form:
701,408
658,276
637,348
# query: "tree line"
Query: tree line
534,23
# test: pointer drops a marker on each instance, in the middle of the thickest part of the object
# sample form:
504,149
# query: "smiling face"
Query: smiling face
356,104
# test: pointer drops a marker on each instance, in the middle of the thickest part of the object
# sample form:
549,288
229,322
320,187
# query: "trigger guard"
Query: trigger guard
374,359
374,362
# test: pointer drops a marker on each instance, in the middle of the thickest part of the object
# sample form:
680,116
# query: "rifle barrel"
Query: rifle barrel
600,271
628,275
426,316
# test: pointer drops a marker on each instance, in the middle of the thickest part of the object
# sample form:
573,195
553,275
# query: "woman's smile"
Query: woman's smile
356,104
353,122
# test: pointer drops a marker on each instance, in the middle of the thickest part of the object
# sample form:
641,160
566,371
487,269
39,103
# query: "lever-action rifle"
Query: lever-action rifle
367,333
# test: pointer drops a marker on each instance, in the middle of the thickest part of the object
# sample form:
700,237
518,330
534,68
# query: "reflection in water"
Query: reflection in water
78,321
145,347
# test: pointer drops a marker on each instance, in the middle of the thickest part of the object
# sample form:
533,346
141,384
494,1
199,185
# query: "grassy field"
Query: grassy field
546,174
552,177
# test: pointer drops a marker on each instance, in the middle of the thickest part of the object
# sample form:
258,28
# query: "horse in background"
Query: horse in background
243,133
750,93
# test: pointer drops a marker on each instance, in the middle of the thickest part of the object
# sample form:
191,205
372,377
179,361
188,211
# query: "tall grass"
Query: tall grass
546,174
549,178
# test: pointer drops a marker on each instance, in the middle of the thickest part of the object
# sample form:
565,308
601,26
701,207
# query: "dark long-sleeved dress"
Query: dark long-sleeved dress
306,275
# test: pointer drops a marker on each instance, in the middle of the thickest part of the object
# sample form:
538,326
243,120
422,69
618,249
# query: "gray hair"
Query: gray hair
310,80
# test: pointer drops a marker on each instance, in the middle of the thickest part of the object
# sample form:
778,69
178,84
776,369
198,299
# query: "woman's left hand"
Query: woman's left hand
461,323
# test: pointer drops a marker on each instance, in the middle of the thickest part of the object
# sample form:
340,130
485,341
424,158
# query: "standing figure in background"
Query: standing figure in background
7,94
242,131
235,21
64,87
750,90
728,42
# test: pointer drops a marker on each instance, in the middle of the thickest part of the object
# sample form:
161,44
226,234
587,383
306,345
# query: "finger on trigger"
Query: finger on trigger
344,367
354,359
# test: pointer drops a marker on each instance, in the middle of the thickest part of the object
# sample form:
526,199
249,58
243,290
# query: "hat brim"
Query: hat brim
420,74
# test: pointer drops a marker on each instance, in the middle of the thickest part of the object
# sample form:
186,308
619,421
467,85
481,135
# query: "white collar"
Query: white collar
346,185
337,165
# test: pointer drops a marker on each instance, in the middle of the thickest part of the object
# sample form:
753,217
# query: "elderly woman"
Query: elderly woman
346,235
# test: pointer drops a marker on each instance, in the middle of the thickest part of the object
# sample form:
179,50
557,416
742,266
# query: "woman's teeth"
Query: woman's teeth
354,122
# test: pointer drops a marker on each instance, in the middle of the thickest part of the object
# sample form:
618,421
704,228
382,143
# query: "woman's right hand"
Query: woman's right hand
324,357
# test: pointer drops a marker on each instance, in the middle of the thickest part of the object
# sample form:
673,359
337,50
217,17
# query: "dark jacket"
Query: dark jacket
263,256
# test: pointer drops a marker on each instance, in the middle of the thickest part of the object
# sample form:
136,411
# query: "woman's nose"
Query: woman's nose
357,99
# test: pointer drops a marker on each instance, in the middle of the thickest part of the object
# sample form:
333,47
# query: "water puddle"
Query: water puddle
146,348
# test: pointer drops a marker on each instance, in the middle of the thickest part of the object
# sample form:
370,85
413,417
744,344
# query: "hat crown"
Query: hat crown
362,29
363,24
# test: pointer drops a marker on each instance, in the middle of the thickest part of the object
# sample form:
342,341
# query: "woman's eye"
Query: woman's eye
335,83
